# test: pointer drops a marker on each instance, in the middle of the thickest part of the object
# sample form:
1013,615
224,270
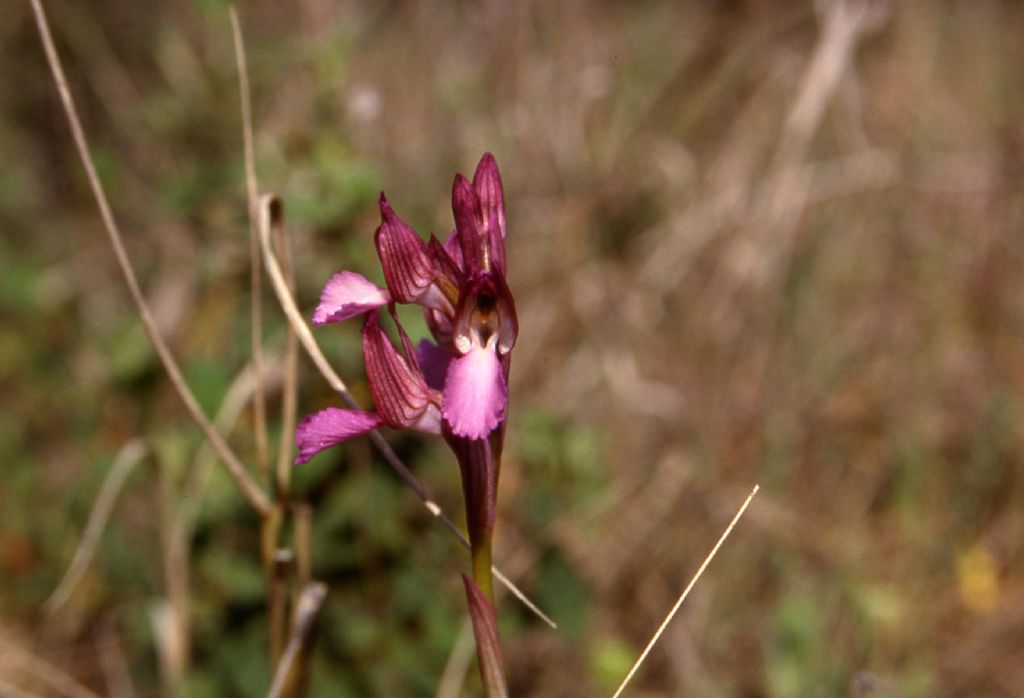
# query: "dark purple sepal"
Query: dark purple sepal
488,645
448,275
398,389
473,241
408,269
487,185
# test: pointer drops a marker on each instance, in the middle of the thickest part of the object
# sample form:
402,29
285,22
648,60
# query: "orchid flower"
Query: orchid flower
460,379
457,385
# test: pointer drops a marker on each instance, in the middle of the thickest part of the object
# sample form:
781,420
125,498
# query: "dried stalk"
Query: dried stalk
256,497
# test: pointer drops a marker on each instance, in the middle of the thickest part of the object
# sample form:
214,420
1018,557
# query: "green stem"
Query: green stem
481,556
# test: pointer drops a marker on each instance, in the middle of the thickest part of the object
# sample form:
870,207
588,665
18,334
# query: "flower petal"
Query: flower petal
475,393
468,219
346,295
487,184
399,391
433,362
328,427
408,269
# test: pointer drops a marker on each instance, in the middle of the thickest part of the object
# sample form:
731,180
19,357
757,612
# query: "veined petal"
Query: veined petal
346,295
454,250
473,241
408,269
487,185
475,393
328,427
399,391
433,362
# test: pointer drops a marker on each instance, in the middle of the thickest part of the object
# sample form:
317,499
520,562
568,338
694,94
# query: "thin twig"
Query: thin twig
125,461
256,497
686,591
9,690
259,398
290,388
310,602
270,217
113,661
176,561
43,671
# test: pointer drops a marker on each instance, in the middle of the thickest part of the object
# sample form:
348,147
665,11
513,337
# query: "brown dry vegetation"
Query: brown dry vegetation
751,242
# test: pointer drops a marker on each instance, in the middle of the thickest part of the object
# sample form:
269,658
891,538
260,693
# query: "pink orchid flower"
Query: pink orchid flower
456,385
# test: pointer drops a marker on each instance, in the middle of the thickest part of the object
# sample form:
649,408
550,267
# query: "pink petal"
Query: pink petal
328,427
346,295
475,393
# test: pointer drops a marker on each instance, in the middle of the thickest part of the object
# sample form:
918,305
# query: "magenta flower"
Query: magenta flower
456,385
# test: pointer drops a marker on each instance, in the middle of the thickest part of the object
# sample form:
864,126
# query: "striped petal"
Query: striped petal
328,427
347,295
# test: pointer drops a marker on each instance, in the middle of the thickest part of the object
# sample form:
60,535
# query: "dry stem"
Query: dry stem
256,497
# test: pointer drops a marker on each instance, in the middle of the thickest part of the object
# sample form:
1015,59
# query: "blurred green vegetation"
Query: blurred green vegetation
734,262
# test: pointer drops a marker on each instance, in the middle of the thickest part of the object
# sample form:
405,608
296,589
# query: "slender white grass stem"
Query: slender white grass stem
686,592
259,398
256,497
124,463
270,218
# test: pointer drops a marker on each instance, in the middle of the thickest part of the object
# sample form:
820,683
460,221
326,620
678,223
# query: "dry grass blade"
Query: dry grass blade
250,489
459,660
127,458
686,591
259,399
9,690
42,671
270,219
310,601
179,538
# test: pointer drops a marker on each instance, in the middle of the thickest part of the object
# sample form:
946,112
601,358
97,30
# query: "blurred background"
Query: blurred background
750,242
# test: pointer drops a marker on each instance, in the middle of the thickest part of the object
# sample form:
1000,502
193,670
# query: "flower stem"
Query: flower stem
481,557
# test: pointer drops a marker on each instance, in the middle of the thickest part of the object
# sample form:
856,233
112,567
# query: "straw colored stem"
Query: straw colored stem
256,497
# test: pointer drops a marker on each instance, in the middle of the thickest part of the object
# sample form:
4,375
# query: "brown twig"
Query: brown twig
289,395
176,561
43,671
256,497
310,602
259,399
270,218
